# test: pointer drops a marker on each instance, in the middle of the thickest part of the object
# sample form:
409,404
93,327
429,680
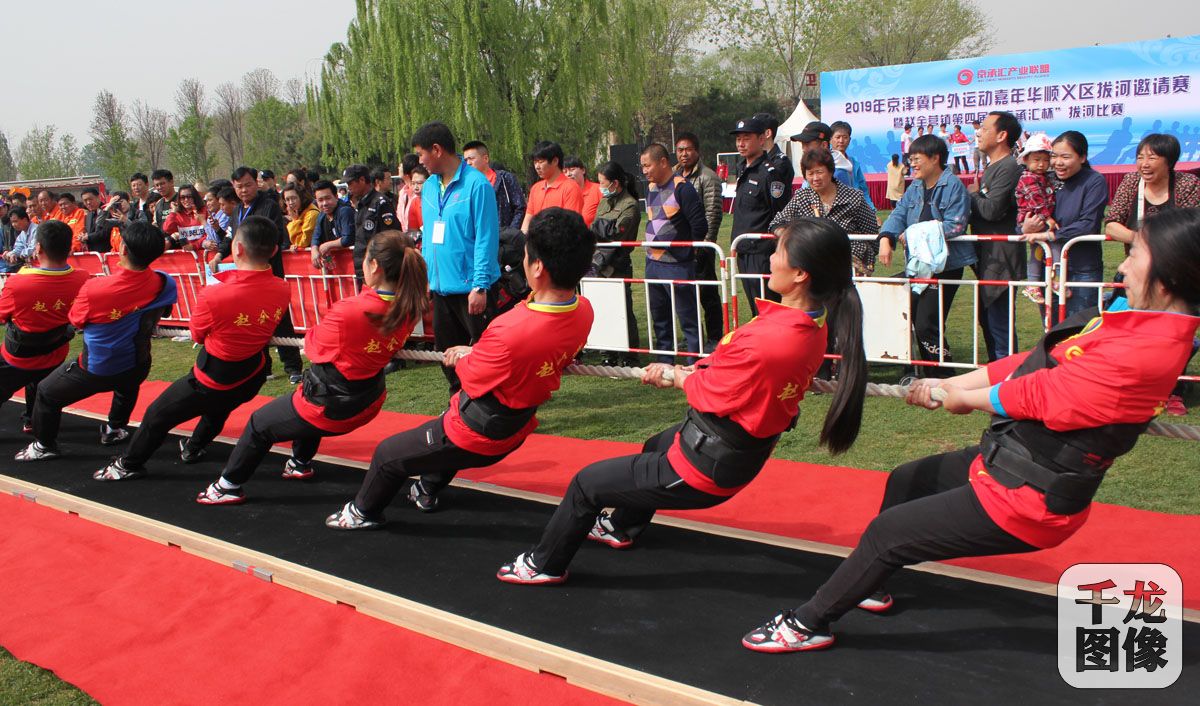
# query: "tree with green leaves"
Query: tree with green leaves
273,134
115,152
8,167
187,142
908,31
44,154
509,72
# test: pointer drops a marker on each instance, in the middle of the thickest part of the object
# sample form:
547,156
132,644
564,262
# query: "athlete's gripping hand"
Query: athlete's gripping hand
920,393
452,355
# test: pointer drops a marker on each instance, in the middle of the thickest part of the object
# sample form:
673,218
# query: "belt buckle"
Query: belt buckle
990,454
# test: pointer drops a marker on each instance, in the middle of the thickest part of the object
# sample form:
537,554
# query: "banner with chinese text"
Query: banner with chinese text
1113,94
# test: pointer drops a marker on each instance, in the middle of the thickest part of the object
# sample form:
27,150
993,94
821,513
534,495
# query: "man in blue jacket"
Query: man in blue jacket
117,315
460,239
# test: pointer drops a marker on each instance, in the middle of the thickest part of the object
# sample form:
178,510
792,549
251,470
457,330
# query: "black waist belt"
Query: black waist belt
341,398
1068,477
720,449
492,418
27,344
228,372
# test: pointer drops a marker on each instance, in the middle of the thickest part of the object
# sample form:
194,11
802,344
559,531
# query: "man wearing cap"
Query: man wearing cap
764,186
374,212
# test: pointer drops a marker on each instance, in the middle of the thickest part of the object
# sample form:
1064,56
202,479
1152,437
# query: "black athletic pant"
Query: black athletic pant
929,513
186,399
13,378
422,451
277,421
710,298
758,263
636,486
70,383
288,355
929,320
454,326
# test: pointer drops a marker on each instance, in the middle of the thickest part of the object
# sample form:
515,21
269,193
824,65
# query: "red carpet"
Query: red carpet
819,503
133,622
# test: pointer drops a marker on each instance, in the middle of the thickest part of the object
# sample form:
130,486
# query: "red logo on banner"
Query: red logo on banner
965,76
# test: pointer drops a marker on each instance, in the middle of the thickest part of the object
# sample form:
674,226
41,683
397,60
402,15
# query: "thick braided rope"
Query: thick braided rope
1171,431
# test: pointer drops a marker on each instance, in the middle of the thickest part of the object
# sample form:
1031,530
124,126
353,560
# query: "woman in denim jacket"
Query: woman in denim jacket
935,194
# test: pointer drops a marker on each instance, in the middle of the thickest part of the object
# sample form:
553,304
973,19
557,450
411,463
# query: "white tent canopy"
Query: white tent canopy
792,126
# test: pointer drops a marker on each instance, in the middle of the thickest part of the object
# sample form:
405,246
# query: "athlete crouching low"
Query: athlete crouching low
343,388
514,367
740,399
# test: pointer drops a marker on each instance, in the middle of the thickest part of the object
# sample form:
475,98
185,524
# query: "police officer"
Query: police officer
764,186
374,212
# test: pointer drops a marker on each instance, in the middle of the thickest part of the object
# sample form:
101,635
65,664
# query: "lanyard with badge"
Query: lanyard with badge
439,226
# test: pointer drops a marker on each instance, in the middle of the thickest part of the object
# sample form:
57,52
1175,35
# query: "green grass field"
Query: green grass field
1157,475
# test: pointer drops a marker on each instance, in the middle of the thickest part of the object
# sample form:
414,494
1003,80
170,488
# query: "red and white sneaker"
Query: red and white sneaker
521,570
1175,406
604,532
214,494
878,602
294,470
784,633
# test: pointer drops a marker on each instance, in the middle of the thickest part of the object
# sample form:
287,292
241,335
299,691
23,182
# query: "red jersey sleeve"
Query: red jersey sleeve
999,370
1086,392
720,387
488,365
202,318
81,310
8,304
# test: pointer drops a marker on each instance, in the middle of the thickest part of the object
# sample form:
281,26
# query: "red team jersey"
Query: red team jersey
235,319
756,377
105,299
519,358
36,299
349,340
1118,370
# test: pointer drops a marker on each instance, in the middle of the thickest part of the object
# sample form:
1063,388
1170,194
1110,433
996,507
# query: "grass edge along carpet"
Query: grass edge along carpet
824,504
152,607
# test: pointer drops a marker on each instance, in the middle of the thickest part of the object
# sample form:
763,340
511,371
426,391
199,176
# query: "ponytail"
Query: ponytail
404,269
844,417
821,248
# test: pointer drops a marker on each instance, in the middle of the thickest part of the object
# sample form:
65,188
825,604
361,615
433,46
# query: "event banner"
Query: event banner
1113,94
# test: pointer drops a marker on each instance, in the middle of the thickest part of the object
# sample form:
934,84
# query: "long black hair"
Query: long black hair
1173,237
404,269
821,248
615,172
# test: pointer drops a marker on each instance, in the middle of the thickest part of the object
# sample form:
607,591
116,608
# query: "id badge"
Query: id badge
439,232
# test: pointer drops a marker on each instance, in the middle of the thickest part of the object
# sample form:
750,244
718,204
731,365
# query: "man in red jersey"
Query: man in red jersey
117,314
34,305
514,368
234,321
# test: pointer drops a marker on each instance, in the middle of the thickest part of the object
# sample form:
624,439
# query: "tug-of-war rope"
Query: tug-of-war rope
1171,431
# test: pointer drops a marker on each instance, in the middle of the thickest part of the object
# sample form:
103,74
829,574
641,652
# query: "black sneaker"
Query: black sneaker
425,502
295,378
188,455
111,437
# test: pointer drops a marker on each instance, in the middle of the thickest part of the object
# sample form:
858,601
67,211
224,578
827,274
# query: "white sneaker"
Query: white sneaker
36,452
878,602
784,633
116,470
294,470
604,532
216,495
524,572
349,518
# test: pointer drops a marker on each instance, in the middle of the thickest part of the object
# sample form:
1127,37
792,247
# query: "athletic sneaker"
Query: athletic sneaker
295,378
111,437
1175,406
604,532
784,633
116,470
521,570
425,502
188,455
26,426
294,470
36,452
349,518
878,602
216,495
1034,294
908,380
